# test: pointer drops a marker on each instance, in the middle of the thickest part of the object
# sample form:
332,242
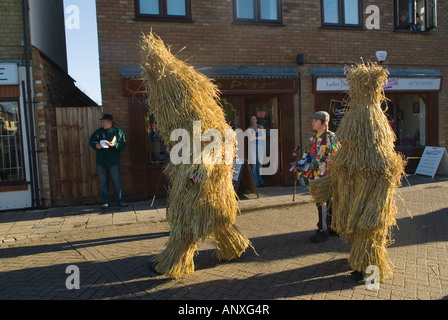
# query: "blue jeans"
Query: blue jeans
114,173
255,168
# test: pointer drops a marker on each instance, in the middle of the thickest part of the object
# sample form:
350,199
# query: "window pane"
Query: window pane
351,11
404,12
11,155
176,7
245,9
431,15
149,6
231,111
331,11
268,9
158,153
420,16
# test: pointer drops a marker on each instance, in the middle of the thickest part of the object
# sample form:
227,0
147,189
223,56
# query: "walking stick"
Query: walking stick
299,148
295,184
157,188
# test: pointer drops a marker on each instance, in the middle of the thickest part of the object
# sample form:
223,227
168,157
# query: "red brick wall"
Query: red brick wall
213,39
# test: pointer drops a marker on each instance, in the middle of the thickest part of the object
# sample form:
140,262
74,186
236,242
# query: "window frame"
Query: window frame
257,20
163,16
341,17
406,27
20,142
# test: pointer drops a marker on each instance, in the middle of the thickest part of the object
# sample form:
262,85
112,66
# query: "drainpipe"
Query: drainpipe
300,112
301,63
29,116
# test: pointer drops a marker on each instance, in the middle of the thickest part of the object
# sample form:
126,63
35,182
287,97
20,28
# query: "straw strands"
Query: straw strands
365,173
179,95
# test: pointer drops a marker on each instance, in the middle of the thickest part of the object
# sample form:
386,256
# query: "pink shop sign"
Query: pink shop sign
393,84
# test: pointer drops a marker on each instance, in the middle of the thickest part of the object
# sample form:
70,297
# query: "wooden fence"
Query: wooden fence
72,167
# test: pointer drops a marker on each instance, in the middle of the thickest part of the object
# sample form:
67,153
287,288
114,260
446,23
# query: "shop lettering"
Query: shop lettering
421,83
333,84
394,83
252,85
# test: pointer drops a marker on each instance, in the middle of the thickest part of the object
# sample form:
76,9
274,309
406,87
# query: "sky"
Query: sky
82,46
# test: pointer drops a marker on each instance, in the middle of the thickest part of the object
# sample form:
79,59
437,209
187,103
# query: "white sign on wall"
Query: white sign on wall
404,84
9,74
434,160
393,84
331,84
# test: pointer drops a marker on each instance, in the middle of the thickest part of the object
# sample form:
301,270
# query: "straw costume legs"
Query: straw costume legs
230,243
177,258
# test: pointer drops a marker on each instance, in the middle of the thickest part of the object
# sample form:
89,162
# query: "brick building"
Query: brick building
281,60
33,79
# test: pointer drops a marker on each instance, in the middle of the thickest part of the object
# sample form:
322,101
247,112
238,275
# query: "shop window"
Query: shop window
163,10
338,108
257,11
232,113
407,116
12,169
158,151
341,13
415,15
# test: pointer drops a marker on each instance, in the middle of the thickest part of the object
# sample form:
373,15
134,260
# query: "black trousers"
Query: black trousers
324,216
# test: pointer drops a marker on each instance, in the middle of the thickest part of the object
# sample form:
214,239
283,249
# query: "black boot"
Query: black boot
319,236
357,275
152,267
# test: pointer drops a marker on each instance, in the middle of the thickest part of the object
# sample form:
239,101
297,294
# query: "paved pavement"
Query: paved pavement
111,250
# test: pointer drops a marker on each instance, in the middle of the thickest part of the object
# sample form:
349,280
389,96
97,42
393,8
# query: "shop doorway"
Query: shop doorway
407,115
266,111
239,109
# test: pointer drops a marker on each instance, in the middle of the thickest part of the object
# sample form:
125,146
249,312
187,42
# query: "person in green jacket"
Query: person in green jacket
108,141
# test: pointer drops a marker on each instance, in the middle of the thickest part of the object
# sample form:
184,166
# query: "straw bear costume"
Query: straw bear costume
365,173
179,95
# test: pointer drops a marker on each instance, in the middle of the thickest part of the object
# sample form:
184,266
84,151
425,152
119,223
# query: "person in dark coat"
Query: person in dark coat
108,141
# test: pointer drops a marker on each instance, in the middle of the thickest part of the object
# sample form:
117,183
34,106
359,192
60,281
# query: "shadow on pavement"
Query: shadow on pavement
130,278
16,251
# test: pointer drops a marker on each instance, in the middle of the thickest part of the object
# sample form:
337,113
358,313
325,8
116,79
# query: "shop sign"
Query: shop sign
412,84
9,74
274,85
434,160
393,84
331,84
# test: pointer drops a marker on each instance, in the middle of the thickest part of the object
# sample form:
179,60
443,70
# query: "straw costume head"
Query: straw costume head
365,173
207,205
